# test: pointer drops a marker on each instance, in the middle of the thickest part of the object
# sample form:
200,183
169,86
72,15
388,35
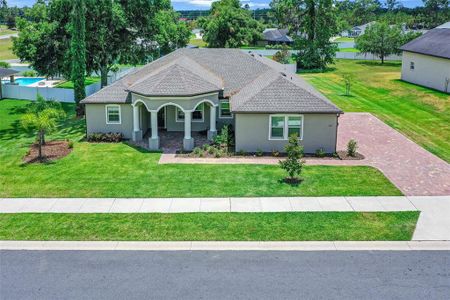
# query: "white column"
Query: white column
153,141
154,120
136,118
212,121
187,124
212,132
137,132
188,141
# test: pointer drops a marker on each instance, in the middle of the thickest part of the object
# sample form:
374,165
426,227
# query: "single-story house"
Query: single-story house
356,30
275,36
5,72
426,60
200,90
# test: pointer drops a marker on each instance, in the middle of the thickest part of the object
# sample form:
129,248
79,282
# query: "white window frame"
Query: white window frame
107,114
192,119
220,109
286,127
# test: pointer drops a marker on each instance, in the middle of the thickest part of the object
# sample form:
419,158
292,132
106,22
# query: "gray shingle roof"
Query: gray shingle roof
253,84
435,42
177,80
7,72
277,35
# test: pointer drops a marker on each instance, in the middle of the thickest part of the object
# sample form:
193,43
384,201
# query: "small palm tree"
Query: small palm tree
42,118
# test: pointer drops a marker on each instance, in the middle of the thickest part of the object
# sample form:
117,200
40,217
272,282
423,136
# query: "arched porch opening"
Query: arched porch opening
171,127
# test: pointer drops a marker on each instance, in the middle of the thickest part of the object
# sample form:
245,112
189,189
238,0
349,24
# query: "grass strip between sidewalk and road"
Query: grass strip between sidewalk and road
296,226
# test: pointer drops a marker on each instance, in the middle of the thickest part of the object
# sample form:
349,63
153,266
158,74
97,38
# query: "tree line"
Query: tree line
75,38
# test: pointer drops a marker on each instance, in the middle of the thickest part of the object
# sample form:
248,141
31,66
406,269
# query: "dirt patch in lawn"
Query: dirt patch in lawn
50,151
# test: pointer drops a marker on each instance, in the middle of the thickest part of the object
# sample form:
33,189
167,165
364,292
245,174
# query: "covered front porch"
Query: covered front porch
175,124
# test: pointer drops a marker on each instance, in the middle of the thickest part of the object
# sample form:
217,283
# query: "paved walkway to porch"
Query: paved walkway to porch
415,171
433,224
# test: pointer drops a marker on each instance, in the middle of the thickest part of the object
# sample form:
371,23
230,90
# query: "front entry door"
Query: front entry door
162,118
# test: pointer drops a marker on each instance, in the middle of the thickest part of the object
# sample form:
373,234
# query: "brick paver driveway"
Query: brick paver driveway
411,168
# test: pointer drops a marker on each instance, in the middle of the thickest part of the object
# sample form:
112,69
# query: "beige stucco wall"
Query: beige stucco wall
186,103
96,120
252,133
428,71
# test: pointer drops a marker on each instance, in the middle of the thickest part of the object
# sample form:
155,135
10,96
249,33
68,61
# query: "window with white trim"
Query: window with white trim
283,126
197,114
113,114
224,109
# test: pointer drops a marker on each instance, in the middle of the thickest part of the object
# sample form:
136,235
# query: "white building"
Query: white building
426,60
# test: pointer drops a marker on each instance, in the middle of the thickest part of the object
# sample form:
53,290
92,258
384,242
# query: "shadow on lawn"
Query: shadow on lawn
377,63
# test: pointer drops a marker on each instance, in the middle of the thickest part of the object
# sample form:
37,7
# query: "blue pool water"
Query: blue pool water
25,80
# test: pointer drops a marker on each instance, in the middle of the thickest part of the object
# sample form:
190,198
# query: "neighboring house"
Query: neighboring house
356,30
200,90
274,36
4,72
198,33
426,60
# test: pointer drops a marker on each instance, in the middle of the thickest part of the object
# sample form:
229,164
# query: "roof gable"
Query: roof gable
435,42
181,77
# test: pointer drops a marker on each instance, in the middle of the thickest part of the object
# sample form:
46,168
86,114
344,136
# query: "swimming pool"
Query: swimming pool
25,80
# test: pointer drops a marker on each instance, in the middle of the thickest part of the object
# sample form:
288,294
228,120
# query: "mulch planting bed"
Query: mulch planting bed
50,151
343,155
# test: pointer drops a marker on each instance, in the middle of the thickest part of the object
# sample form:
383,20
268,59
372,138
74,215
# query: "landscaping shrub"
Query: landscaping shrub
4,64
70,144
293,164
320,153
225,139
352,146
197,151
277,47
275,153
109,137
283,56
29,73
259,152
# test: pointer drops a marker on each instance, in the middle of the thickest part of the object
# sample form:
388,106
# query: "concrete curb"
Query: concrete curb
228,246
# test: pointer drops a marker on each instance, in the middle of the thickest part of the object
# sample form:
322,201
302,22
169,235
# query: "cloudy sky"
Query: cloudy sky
205,4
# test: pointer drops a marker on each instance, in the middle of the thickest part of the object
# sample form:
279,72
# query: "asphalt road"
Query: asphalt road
224,275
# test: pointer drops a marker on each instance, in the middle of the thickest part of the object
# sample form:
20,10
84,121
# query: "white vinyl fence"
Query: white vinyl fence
58,94
49,93
343,55
362,56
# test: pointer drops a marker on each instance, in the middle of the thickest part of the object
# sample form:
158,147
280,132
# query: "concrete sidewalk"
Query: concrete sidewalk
226,246
433,223
180,205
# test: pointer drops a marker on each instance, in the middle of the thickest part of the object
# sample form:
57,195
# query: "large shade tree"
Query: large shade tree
117,31
78,51
382,40
312,23
230,26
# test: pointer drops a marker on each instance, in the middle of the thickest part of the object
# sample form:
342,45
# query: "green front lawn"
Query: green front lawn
119,170
198,42
420,113
69,84
317,226
344,39
348,50
6,49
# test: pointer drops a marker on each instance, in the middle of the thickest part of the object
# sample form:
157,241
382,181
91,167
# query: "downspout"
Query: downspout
336,136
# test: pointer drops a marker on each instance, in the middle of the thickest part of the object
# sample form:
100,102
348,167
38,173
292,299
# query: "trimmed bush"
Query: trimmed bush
109,137
352,146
